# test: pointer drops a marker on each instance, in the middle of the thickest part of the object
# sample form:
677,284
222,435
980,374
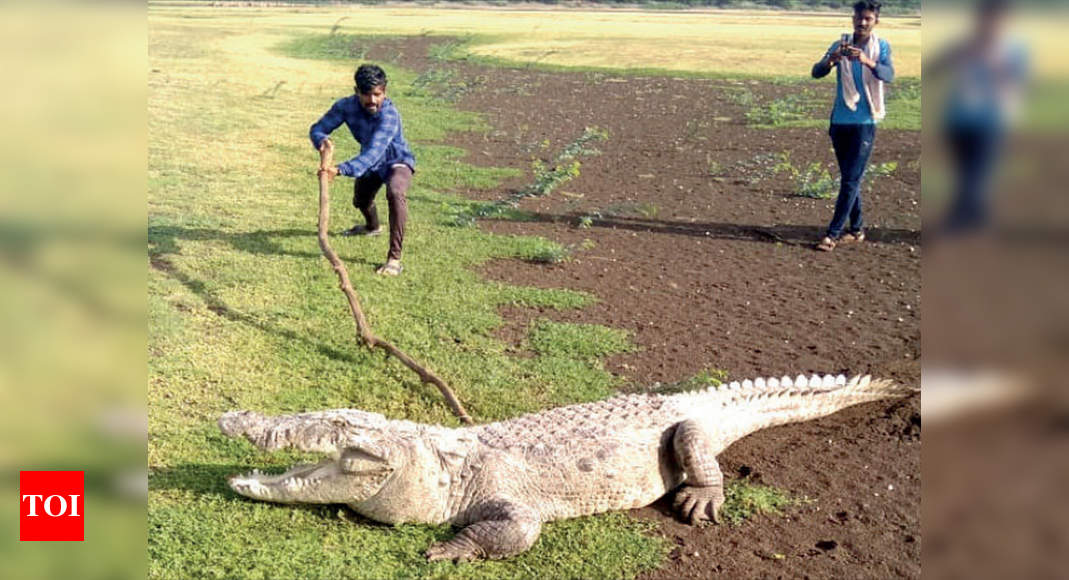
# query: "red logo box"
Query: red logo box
51,506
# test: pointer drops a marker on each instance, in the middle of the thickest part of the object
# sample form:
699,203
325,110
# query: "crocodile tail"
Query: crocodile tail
753,405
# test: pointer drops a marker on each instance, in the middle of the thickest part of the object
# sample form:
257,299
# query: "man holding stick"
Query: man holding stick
384,158
864,64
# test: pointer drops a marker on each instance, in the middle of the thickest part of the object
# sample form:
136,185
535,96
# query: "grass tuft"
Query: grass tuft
745,499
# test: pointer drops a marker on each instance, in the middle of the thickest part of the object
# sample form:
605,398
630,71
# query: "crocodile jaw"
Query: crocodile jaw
324,482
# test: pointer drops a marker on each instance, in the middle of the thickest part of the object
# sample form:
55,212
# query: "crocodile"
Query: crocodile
500,481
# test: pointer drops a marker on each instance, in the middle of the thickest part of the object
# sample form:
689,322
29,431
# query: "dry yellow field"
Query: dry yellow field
707,42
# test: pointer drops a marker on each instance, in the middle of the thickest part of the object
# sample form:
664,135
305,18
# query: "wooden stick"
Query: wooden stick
362,327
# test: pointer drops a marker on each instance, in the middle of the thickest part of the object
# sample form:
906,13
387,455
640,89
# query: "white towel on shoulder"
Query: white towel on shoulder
873,86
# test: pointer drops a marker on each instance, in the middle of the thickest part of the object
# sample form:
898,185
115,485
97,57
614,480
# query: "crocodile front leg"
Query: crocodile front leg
499,529
702,494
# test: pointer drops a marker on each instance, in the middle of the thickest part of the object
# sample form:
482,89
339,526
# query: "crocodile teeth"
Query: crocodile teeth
759,383
829,382
840,380
800,382
773,384
786,382
747,384
814,381
734,385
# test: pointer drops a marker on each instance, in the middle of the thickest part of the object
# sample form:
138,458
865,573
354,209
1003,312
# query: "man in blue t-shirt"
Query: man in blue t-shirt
384,157
988,72
864,65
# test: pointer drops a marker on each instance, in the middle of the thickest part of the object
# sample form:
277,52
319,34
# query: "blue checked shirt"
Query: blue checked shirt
382,143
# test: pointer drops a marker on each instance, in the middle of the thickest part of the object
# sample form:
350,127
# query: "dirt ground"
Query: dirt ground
692,244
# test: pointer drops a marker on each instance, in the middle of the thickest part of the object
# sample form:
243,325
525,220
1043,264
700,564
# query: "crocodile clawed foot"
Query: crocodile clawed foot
456,551
699,504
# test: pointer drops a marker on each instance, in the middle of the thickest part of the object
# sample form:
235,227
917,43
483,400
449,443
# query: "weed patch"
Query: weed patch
745,499
548,176
589,341
816,182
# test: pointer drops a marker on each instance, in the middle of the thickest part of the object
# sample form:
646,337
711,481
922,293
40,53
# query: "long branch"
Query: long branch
362,327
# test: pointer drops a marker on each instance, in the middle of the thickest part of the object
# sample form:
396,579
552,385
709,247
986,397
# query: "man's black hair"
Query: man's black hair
369,76
870,5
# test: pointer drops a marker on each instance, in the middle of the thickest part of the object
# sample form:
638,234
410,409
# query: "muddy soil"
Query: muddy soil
690,240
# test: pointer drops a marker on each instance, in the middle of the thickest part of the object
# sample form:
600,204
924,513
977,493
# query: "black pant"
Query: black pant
976,152
853,146
364,192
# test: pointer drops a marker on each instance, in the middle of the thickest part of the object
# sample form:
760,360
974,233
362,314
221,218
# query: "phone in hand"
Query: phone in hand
844,42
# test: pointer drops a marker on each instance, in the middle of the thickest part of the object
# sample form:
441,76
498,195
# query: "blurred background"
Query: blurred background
72,276
995,325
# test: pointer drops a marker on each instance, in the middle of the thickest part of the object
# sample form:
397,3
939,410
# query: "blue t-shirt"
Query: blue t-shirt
862,115
984,89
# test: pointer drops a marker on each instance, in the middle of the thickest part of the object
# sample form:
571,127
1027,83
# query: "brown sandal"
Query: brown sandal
853,238
826,245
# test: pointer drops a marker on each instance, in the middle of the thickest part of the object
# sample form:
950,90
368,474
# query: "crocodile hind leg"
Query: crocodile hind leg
499,529
702,494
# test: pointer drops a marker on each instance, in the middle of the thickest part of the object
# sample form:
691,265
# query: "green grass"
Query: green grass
245,313
744,500
581,341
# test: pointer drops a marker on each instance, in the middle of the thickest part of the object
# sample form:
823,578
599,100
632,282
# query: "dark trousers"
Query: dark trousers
976,153
853,145
397,182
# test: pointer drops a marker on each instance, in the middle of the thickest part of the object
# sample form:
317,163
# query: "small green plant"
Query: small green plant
580,145
813,182
882,169
792,110
549,253
549,178
745,499
586,221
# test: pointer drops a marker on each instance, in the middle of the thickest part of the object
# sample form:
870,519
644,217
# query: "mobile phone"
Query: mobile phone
844,41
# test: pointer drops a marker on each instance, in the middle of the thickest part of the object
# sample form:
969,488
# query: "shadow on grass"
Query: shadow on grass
197,478
210,480
163,241
793,235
